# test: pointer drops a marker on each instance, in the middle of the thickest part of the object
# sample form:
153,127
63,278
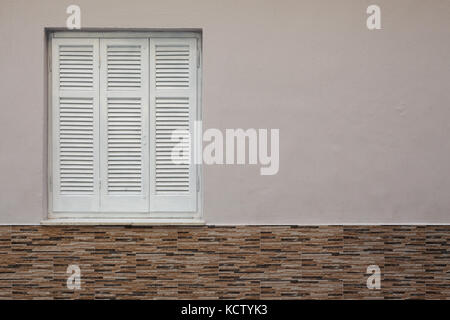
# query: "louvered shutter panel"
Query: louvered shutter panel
173,108
75,125
124,125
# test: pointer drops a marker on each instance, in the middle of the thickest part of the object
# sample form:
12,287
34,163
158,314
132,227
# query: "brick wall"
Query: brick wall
225,262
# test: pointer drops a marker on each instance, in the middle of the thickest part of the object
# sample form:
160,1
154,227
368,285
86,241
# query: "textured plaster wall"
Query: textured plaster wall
363,115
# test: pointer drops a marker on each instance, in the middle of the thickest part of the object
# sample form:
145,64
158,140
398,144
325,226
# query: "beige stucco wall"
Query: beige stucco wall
364,116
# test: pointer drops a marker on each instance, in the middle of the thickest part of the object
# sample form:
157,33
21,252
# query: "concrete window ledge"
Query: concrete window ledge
121,222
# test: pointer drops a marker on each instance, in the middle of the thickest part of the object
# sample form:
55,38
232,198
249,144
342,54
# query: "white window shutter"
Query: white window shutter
173,106
75,124
124,130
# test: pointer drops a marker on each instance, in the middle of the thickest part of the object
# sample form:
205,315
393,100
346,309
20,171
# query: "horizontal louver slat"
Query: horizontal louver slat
172,66
76,67
76,145
172,116
124,70
124,146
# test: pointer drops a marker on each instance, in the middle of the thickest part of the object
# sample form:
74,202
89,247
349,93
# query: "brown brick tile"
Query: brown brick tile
235,262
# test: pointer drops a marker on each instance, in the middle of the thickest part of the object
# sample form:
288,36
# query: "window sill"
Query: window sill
121,222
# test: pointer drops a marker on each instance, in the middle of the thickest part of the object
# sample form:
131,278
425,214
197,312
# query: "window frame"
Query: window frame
122,218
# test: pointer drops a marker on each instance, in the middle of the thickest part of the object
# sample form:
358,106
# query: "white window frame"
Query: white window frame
123,218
